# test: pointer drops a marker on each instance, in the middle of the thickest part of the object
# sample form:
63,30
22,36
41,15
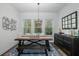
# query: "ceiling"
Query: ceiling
43,7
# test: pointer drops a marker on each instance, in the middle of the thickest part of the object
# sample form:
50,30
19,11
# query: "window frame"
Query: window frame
38,27
47,27
26,26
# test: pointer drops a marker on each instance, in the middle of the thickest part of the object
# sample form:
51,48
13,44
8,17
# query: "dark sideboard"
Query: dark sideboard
68,44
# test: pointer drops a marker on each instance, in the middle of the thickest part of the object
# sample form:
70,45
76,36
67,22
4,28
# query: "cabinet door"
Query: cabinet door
76,47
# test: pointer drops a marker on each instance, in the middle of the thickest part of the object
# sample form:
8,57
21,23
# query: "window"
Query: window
48,27
38,26
70,21
27,26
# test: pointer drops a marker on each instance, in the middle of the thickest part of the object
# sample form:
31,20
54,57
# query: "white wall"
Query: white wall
43,16
67,10
6,36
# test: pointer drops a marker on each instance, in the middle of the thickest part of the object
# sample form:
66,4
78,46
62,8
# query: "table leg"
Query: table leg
46,52
36,42
47,44
23,42
19,52
19,44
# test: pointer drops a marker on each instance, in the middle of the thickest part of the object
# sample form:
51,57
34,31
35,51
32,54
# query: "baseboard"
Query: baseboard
8,50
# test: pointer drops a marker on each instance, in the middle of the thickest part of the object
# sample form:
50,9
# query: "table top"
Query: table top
34,38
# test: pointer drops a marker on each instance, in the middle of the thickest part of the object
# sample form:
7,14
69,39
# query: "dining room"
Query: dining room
39,29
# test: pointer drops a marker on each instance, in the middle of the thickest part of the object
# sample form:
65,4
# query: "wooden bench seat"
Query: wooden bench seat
31,47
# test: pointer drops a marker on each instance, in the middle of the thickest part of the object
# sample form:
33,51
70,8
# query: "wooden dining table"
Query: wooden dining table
33,40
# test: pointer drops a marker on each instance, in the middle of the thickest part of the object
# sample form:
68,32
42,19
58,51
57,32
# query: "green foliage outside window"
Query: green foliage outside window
48,31
38,26
48,27
27,26
37,30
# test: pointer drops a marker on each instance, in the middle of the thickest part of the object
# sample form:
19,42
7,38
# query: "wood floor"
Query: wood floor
59,50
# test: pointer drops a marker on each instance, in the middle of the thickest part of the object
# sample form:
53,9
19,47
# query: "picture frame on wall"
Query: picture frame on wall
5,23
8,24
13,24
70,21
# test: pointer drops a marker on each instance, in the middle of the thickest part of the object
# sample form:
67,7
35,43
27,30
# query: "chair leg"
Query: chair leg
47,44
46,52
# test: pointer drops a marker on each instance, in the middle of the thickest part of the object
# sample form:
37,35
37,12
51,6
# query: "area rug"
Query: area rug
53,52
